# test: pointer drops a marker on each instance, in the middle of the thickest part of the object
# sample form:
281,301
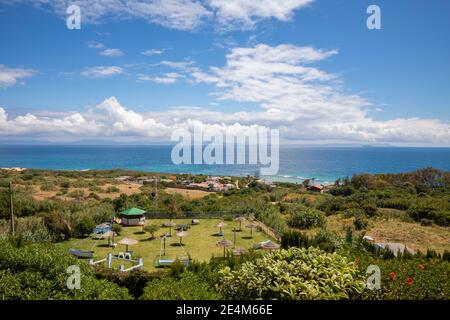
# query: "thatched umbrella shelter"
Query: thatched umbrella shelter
221,225
270,245
224,244
170,225
181,235
239,251
240,219
108,235
128,242
251,226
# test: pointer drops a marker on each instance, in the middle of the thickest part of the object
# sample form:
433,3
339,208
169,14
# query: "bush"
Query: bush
412,279
117,228
32,271
299,274
306,219
135,281
294,238
187,287
76,194
112,189
426,222
84,226
360,222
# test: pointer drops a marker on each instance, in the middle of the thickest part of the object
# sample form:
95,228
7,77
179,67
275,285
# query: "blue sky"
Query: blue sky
392,83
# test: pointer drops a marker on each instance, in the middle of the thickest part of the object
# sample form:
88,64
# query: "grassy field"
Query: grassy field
200,243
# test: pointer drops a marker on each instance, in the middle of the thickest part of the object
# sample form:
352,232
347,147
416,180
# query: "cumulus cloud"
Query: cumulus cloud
245,14
101,71
177,14
11,76
305,103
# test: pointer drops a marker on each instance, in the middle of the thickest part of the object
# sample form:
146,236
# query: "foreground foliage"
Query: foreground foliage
293,274
37,272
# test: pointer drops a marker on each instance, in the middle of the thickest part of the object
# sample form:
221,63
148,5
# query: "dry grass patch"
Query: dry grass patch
189,194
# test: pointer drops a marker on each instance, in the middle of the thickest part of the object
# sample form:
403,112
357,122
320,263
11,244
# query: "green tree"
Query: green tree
151,228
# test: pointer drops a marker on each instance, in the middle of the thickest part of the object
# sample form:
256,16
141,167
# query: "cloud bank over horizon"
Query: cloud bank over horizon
307,105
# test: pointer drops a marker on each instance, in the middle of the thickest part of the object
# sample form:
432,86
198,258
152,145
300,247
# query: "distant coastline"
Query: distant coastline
324,165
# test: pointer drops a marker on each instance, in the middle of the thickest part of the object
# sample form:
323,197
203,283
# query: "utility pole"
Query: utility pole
155,190
11,206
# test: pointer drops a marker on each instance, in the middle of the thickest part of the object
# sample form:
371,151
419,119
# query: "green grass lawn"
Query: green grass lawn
200,243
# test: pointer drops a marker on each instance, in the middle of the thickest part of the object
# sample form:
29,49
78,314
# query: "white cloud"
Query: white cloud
167,78
11,76
244,13
153,52
112,53
306,103
177,14
95,45
101,71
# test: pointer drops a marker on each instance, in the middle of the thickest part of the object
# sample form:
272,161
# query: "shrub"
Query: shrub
294,238
272,218
76,194
36,271
85,226
360,222
293,274
426,222
135,281
412,279
117,228
187,287
306,219
112,189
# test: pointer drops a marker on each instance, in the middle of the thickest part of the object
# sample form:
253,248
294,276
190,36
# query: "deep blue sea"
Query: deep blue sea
325,164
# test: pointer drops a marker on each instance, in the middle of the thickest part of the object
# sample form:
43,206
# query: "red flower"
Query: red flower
422,266
393,275
409,280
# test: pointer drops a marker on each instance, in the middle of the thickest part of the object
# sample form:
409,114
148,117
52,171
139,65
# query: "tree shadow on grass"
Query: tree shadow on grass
177,244
103,245
139,232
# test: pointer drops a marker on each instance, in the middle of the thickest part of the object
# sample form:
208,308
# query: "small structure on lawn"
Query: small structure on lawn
102,228
181,235
224,244
239,251
221,225
251,226
110,236
132,217
128,242
269,245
